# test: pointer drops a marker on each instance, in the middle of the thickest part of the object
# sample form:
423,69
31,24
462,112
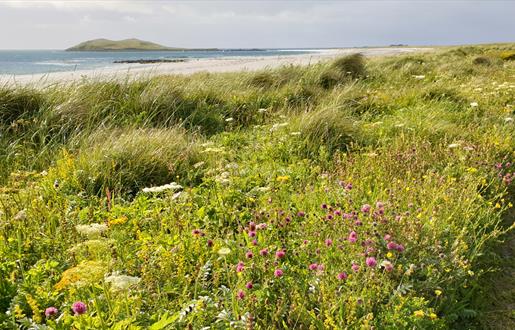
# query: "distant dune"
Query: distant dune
120,45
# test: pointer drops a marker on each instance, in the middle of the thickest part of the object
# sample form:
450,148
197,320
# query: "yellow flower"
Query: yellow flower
497,205
283,178
389,255
471,273
18,312
117,221
433,316
419,313
438,293
472,170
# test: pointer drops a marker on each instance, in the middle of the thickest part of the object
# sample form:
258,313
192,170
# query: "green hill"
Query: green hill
119,45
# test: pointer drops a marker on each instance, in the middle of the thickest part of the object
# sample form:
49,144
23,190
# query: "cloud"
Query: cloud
79,5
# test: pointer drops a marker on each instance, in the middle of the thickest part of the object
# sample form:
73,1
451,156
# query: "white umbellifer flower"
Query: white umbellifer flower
170,186
232,166
224,251
214,150
121,282
468,148
229,119
508,120
453,145
474,104
419,77
262,110
22,215
275,127
91,230
295,133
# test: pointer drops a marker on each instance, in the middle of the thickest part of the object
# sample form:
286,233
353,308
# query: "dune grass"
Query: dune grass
361,193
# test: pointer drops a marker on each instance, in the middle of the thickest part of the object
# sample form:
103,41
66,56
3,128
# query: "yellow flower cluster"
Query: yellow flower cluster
283,178
118,221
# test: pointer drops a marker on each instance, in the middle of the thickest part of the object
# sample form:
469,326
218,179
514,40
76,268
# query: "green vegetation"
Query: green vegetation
118,45
362,193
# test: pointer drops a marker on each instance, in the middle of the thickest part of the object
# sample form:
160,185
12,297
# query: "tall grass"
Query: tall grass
417,150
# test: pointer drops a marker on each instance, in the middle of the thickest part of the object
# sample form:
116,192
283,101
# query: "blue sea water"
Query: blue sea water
19,62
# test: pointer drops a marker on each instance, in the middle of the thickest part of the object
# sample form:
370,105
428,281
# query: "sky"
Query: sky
33,24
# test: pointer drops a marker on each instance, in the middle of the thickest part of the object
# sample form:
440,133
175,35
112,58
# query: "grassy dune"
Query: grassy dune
361,193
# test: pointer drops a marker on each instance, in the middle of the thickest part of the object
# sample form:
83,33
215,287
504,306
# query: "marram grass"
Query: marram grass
359,194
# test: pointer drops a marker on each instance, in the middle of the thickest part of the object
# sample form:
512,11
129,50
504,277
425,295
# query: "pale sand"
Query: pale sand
226,64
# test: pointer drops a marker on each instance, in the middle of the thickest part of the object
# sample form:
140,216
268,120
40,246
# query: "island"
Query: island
106,45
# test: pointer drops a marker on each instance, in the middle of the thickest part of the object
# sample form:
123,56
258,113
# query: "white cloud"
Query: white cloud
79,5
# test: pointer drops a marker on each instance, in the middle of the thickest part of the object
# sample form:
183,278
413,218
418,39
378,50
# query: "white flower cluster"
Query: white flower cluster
171,186
91,230
275,127
121,282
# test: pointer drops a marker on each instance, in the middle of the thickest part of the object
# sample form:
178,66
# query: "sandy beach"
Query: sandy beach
225,64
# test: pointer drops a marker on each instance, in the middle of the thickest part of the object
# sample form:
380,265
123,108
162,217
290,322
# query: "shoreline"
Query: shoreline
224,64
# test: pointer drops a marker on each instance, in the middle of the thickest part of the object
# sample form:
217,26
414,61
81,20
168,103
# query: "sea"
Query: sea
22,62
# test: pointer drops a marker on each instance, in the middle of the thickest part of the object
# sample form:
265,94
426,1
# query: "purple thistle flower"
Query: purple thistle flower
342,276
240,266
278,272
388,266
249,285
51,311
79,308
328,242
371,262
280,254
262,226
263,252
400,247
353,237
391,246
252,234
240,294
366,208
355,267
197,232
249,254
313,267
301,214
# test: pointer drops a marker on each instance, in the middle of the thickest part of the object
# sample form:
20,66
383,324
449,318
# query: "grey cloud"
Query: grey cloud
54,24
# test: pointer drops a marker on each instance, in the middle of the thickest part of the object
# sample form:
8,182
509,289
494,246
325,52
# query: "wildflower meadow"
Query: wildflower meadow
361,193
